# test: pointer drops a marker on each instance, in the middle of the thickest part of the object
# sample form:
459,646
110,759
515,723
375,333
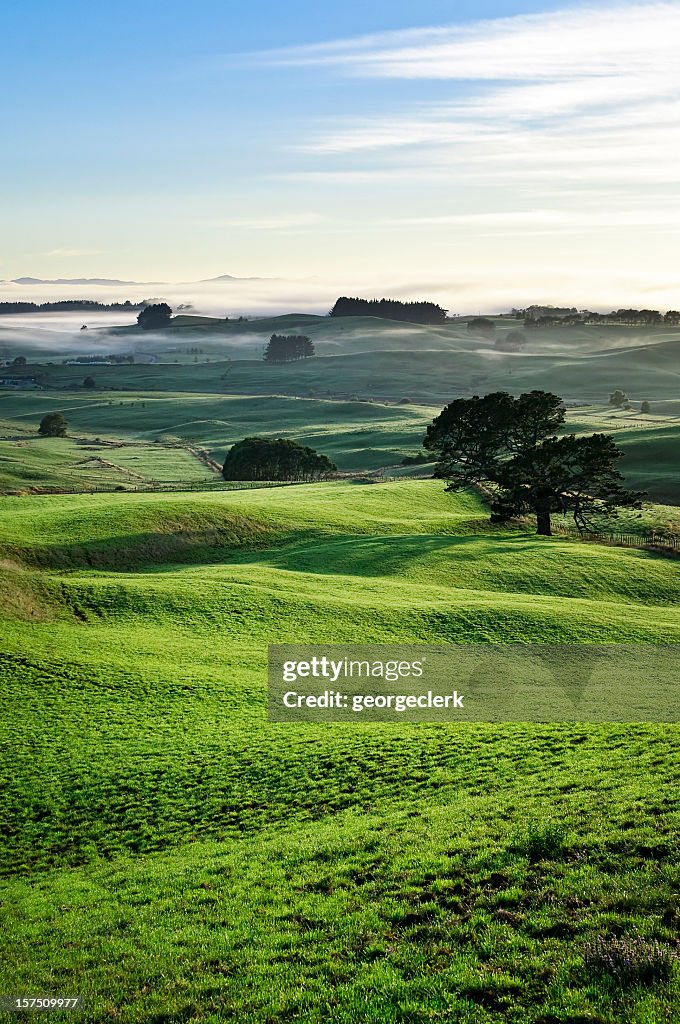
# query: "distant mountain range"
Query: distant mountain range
115,281
229,277
71,280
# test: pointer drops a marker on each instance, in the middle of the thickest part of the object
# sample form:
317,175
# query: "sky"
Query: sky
485,154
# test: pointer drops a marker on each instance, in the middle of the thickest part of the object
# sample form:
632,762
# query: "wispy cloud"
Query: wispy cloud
585,96
615,40
553,219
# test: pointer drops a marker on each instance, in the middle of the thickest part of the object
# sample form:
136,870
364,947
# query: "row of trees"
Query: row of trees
636,316
257,458
622,317
390,309
68,306
284,348
619,399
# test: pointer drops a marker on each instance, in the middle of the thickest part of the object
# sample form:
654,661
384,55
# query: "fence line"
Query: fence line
647,539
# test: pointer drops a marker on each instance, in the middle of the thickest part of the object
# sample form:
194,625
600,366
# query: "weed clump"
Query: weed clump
542,841
630,960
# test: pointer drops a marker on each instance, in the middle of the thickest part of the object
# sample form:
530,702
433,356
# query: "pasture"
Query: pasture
172,856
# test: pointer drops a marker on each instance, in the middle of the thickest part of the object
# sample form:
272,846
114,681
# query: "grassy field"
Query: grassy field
209,388
172,856
368,357
159,428
356,435
37,463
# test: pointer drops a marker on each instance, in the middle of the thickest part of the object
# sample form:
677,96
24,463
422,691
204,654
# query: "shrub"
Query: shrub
53,424
482,325
259,458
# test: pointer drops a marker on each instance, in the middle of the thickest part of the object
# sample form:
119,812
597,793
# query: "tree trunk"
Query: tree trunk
543,522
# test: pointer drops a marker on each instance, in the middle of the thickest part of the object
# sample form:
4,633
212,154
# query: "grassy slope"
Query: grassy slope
649,443
372,357
317,873
357,435
28,461
359,357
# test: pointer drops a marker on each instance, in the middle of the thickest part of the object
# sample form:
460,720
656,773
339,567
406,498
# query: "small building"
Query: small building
19,383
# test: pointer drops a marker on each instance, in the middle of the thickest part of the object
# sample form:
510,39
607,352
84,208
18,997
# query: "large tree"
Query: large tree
260,458
155,317
510,448
283,348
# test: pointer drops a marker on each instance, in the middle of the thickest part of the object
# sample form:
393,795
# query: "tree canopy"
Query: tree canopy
509,446
482,325
67,306
155,316
390,309
259,458
53,424
284,348
618,398
549,316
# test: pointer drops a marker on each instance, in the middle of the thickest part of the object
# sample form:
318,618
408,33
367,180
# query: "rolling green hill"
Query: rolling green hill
364,400
31,462
171,855
356,435
155,430
371,357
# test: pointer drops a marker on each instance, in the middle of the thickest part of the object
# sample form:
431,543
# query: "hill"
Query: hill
356,435
368,356
173,856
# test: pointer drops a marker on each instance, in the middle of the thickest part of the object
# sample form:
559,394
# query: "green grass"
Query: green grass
32,462
173,856
356,435
344,401
649,443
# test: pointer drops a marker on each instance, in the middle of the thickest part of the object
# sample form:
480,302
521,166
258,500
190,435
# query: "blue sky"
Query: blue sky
486,151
